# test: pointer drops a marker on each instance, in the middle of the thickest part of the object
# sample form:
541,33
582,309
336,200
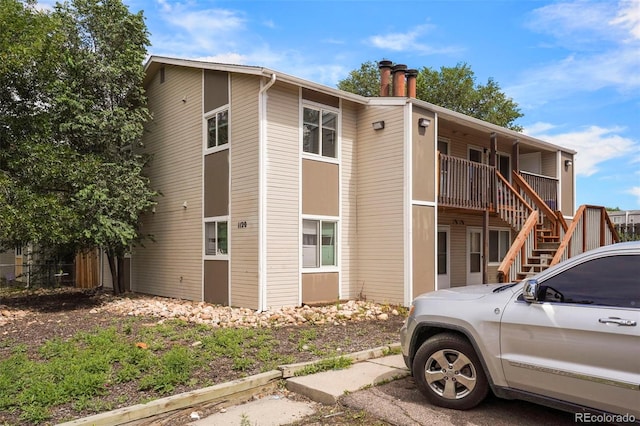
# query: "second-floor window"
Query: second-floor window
218,129
320,132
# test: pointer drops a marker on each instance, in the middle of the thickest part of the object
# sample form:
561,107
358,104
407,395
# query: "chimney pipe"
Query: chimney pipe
412,76
399,79
385,76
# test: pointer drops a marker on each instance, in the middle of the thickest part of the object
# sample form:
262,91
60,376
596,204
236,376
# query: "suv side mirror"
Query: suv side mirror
530,292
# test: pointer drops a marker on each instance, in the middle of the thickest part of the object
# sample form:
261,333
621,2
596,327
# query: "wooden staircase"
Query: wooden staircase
545,238
547,245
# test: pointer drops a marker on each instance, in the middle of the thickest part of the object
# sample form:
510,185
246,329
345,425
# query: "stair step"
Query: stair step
548,245
540,266
523,276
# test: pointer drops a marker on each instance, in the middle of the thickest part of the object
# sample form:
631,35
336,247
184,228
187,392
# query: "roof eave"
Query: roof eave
252,70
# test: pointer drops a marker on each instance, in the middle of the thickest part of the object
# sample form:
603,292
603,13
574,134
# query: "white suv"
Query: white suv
568,338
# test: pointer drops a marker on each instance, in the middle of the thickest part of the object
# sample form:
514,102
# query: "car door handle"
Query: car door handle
619,321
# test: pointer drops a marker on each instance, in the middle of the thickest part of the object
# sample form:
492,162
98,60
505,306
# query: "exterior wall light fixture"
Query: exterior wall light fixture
424,122
568,163
378,125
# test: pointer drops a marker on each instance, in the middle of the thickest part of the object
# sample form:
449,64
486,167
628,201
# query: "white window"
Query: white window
499,242
319,132
218,129
318,243
216,238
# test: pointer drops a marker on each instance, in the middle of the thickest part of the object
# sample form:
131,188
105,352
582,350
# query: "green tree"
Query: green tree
364,81
454,88
75,111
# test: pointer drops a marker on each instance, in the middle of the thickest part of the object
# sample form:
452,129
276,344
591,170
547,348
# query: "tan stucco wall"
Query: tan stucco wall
216,281
216,184
320,190
567,200
423,157
320,287
423,234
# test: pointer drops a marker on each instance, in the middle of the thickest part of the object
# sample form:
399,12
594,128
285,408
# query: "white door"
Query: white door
474,256
442,261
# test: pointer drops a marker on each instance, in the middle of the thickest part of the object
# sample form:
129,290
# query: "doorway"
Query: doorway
474,256
442,260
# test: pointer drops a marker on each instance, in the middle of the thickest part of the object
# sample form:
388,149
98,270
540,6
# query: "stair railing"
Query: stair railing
553,216
515,210
591,228
511,206
520,249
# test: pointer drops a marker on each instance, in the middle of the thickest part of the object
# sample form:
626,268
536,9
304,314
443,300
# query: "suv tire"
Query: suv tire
448,372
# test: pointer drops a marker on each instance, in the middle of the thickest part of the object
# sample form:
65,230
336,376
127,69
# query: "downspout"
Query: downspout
262,194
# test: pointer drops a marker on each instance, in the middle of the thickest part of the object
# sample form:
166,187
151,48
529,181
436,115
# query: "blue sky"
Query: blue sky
572,66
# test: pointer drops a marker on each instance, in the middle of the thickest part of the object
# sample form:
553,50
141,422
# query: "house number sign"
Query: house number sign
242,224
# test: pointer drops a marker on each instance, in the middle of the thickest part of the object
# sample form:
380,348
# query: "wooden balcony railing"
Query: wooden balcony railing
529,206
544,186
591,228
465,184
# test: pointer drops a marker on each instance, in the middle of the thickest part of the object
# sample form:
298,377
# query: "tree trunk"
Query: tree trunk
114,272
120,279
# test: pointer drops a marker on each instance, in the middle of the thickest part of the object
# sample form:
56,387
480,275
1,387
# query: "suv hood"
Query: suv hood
464,293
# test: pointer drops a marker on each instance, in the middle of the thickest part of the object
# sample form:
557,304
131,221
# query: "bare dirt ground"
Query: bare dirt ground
35,317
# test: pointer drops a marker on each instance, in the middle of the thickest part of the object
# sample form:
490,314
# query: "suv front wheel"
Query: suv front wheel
448,372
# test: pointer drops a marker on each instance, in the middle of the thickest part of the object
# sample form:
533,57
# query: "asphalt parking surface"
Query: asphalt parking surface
401,403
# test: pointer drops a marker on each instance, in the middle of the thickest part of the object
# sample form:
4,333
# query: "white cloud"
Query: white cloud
191,30
410,41
604,41
628,18
593,144
635,191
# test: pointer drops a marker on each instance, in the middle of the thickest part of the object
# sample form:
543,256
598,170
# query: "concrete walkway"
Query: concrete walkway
369,368
325,388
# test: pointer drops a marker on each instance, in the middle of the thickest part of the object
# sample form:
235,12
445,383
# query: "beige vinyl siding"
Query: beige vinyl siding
380,202
549,164
458,144
458,255
348,239
458,223
283,188
244,166
172,265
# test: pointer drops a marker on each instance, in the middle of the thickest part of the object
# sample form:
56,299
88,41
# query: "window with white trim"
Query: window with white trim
319,243
218,129
319,132
499,243
216,238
